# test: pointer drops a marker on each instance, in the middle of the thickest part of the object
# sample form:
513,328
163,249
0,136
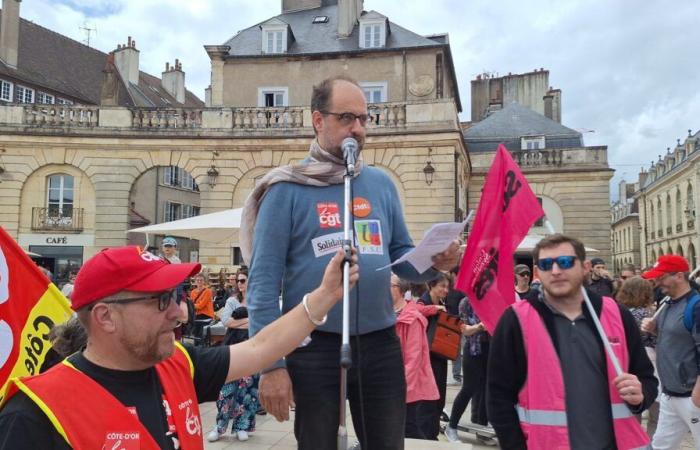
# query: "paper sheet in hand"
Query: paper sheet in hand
436,240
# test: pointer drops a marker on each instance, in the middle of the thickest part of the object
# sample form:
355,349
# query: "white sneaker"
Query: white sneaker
242,435
451,434
213,435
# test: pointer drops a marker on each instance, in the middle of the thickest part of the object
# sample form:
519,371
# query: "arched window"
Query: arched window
659,224
60,195
690,205
650,224
679,250
679,211
653,258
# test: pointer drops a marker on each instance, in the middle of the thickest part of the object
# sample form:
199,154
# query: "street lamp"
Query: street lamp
429,170
212,173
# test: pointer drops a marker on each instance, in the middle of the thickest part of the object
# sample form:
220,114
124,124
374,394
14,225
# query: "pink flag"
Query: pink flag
507,210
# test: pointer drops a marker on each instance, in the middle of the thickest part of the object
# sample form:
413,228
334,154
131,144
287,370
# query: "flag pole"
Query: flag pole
594,316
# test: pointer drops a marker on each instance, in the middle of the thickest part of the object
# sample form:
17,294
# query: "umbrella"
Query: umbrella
528,244
215,227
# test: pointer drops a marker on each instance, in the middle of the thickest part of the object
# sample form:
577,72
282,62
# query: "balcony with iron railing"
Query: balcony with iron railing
289,120
66,220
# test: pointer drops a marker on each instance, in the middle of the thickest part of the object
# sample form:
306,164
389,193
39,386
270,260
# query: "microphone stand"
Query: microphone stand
345,351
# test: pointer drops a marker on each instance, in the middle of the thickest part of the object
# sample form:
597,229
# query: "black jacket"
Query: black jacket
507,368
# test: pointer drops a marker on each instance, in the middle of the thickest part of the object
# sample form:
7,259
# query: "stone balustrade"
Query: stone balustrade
392,117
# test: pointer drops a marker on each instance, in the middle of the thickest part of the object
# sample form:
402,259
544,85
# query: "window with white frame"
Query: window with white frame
532,143
60,195
375,92
372,34
177,177
274,37
172,211
273,96
24,94
5,91
189,211
63,101
43,97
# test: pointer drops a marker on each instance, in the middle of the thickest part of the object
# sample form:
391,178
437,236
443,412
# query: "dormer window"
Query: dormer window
373,31
320,19
274,37
532,142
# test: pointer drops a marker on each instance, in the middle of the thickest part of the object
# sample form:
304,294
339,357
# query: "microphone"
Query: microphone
349,146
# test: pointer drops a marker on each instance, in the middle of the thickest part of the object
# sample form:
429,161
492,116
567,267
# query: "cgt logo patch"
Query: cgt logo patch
328,215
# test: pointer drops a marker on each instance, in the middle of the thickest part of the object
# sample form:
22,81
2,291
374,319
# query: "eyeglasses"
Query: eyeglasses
524,274
241,281
347,118
564,262
168,245
164,299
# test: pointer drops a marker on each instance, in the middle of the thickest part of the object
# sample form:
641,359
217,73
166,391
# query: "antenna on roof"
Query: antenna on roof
88,31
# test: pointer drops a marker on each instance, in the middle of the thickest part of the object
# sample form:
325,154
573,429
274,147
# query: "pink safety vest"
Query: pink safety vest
541,404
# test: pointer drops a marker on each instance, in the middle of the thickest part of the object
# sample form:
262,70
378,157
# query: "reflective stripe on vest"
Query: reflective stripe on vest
558,418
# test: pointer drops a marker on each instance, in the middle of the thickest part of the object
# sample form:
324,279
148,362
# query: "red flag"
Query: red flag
29,306
506,211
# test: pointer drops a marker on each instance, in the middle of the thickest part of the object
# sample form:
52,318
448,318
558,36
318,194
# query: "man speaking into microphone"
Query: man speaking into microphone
292,224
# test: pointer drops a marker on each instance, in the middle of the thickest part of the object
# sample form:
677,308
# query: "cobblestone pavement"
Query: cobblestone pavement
273,435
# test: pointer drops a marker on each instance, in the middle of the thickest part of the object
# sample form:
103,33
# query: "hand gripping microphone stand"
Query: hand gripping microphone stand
349,148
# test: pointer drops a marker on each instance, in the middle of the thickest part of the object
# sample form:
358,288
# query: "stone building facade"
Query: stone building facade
100,159
667,199
624,235
570,179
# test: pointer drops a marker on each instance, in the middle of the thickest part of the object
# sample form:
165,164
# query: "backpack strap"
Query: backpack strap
688,316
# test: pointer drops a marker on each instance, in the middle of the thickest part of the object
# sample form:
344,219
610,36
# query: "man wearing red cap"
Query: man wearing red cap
677,358
133,386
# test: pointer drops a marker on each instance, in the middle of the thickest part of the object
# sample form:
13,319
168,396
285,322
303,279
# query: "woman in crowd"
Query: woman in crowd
238,400
411,324
637,294
474,357
429,412
201,297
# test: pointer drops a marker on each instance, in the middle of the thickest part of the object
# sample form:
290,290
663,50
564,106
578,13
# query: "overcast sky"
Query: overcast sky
629,70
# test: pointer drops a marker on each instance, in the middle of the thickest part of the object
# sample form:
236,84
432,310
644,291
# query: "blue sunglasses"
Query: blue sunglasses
564,262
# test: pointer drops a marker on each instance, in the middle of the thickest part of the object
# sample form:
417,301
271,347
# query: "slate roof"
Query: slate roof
61,66
515,121
322,38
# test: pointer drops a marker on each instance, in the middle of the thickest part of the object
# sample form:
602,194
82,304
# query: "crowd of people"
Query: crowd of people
573,363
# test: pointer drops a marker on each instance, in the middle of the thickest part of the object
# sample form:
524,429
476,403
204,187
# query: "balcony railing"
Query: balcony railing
60,115
158,118
256,118
54,219
534,158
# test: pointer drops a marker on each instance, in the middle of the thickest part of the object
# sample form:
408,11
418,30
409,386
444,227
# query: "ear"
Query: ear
317,121
102,317
587,266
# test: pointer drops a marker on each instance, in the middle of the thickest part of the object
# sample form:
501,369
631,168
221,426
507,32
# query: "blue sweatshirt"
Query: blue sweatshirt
297,231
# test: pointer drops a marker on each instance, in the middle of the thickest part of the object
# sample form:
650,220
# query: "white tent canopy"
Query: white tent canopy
528,244
215,227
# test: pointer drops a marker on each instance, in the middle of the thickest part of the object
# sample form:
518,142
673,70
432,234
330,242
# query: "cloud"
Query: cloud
93,8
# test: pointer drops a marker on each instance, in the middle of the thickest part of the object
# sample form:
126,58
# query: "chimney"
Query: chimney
299,5
9,32
349,12
109,94
126,59
173,81
552,104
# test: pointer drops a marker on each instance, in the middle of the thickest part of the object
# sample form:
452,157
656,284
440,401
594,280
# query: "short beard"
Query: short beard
145,350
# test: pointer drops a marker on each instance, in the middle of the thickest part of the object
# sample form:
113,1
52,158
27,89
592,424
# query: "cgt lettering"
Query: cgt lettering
37,343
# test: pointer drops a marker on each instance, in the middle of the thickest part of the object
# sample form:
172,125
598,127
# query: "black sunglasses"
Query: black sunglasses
564,262
164,299
242,281
346,118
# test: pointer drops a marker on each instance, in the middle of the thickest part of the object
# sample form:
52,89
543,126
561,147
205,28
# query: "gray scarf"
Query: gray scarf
320,168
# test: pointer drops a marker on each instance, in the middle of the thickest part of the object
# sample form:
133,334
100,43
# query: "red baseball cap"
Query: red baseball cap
126,269
667,264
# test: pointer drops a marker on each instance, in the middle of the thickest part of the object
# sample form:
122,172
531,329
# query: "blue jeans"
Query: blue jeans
376,390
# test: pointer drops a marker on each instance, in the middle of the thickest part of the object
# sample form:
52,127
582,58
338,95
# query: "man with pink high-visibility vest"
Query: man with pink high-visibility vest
551,384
